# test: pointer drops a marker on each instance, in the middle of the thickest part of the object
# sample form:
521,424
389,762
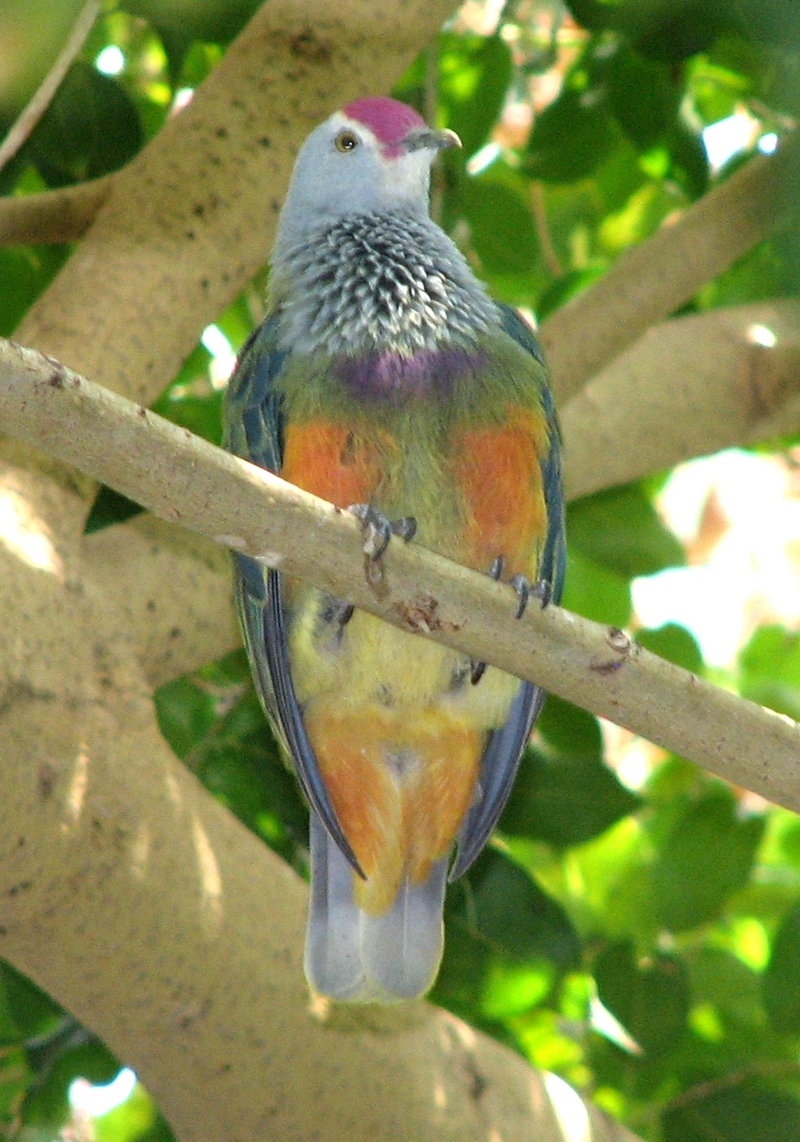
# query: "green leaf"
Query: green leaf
781,980
640,216
675,644
565,800
505,941
596,15
186,712
707,854
511,911
474,74
110,507
594,591
735,1115
582,117
501,226
47,1103
677,35
25,273
135,1120
190,401
31,1010
621,530
642,95
181,22
90,128
769,670
688,161
649,997
569,730
722,980
564,289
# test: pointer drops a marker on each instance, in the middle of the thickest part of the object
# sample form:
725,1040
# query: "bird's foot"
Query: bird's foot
541,590
378,529
479,668
338,613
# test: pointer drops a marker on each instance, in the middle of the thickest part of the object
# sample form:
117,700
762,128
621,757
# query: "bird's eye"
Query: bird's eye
346,141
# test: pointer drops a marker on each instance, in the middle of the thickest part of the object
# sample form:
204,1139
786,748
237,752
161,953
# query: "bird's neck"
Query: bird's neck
378,284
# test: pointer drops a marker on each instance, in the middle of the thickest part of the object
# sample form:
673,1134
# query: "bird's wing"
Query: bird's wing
504,748
254,430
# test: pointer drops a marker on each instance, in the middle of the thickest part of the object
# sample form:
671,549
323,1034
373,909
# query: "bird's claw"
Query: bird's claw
523,588
378,529
542,589
479,668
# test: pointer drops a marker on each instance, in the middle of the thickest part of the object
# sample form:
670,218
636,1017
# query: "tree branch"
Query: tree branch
721,388
187,480
650,281
689,387
54,215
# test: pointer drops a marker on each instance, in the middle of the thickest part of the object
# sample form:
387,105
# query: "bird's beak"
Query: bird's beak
426,139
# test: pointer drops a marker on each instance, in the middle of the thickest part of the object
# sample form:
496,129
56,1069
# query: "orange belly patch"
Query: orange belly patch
400,785
334,462
498,472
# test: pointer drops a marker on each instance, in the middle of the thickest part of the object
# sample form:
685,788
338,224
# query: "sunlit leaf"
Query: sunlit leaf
474,73
707,854
649,997
565,800
595,591
782,977
674,643
620,529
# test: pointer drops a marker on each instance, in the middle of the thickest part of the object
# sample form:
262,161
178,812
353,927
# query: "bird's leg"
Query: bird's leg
378,529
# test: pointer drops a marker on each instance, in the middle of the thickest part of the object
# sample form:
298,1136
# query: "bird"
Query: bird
385,380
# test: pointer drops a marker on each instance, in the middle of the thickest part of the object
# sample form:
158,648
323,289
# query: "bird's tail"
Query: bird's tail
357,957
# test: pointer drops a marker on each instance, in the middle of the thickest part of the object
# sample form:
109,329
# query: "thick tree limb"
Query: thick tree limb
650,281
172,592
154,916
54,215
689,387
184,479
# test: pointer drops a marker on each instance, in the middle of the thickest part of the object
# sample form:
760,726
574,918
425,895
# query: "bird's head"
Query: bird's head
374,155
